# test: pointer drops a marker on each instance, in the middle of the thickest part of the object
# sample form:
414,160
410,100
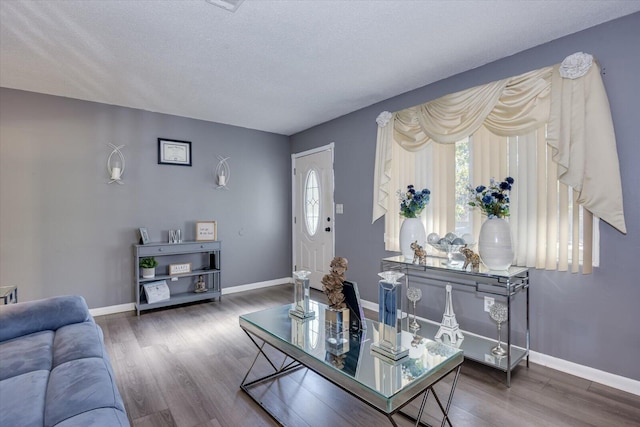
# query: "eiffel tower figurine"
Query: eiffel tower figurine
449,325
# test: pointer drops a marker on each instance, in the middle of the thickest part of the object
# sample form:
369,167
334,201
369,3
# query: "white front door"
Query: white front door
313,225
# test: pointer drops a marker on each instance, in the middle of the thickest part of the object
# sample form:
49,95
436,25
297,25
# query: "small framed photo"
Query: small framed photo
144,235
182,268
206,231
174,152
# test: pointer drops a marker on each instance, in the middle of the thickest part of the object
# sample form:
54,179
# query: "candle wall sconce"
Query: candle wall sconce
223,173
115,164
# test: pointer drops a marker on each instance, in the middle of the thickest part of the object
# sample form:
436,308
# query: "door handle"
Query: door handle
327,229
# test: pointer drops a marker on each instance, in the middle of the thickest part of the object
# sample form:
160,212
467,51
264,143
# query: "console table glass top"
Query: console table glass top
433,262
379,382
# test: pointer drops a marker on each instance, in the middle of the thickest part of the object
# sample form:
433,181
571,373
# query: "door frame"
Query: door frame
294,156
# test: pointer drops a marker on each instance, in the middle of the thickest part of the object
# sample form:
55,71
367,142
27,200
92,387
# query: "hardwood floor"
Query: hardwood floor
183,367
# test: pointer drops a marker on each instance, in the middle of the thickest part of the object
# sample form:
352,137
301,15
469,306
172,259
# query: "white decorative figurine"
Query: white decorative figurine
449,325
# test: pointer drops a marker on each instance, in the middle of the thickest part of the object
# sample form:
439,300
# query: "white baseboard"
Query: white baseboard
591,374
612,380
257,285
112,309
121,308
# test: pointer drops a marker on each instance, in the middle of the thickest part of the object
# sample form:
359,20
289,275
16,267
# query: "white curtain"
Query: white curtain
570,97
550,129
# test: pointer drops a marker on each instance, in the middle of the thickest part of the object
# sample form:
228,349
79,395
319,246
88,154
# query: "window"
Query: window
524,158
550,129
312,202
546,230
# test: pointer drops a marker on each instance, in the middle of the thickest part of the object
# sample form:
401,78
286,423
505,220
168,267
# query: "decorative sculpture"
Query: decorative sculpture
470,258
419,253
449,325
332,283
201,286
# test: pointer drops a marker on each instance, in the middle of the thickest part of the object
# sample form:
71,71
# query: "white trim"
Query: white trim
591,374
112,309
611,380
329,146
258,285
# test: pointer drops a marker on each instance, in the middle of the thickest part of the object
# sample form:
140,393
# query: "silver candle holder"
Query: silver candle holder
301,295
499,313
389,304
414,295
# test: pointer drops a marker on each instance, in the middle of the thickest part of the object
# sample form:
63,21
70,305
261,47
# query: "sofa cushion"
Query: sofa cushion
19,390
27,317
26,354
77,341
79,386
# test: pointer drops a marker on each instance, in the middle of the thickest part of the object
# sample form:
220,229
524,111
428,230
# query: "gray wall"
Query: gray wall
591,320
63,230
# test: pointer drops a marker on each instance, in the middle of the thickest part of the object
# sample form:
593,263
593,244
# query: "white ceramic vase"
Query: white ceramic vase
410,231
494,244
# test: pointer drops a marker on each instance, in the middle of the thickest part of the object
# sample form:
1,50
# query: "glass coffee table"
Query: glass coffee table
347,361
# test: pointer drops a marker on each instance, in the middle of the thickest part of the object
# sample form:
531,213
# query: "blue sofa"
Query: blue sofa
54,369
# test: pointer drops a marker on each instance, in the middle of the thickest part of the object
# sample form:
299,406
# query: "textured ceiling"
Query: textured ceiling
279,66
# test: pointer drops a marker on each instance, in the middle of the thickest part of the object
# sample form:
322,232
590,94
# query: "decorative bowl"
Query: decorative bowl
450,249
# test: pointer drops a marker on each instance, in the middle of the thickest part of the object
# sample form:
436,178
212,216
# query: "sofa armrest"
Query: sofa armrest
46,314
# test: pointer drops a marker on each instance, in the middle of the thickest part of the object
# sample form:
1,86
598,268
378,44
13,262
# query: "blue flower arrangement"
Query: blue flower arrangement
413,202
492,200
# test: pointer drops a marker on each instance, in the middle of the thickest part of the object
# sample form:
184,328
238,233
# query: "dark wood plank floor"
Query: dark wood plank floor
183,367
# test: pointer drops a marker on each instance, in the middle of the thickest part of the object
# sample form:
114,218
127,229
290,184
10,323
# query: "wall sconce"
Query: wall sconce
115,164
223,173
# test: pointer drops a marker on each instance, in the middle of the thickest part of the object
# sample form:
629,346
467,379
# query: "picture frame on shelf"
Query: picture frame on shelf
353,302
206,231
157,291
179,268
174,152
144,235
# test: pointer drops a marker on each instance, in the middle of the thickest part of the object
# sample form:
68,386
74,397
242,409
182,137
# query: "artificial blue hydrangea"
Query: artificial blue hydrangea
413,202
494,200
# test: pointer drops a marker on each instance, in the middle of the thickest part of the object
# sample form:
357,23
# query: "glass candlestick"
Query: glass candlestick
389,304
301,295
499,313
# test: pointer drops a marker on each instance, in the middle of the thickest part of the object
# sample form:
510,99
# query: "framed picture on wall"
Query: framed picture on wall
174,152
206,231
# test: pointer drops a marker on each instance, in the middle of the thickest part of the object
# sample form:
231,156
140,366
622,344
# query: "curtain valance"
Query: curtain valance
569,97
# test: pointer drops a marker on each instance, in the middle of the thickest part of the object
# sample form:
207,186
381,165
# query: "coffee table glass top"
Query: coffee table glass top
349,355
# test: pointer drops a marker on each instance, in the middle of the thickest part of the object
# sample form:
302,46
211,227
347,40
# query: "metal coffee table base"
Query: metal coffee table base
289,365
